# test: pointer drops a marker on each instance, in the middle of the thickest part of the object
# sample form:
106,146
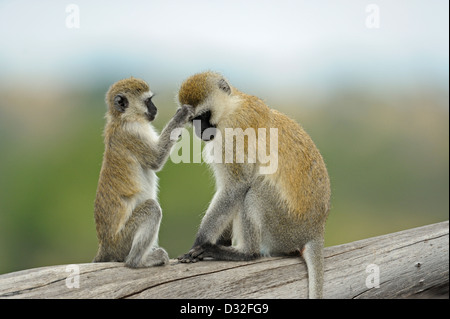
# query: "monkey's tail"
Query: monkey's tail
312,253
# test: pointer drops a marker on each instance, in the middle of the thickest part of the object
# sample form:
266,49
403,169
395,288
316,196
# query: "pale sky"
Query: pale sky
290,43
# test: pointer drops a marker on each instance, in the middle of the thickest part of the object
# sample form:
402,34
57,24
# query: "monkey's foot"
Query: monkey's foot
158,257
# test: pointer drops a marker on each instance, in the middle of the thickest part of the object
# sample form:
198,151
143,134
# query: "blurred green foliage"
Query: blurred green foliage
387,157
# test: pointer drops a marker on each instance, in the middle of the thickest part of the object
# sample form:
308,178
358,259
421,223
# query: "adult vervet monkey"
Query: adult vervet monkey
281,213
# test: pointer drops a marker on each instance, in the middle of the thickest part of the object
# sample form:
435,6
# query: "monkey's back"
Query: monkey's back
302,176
117,187
291,205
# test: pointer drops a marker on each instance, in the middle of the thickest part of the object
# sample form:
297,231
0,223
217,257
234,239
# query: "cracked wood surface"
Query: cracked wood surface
412,264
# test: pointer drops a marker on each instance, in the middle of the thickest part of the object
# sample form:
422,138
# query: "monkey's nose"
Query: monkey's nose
151,108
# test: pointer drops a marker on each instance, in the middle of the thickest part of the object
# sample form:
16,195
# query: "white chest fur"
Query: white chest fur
148,185
146,178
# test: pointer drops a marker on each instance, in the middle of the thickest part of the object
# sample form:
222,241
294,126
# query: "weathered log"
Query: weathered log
410,263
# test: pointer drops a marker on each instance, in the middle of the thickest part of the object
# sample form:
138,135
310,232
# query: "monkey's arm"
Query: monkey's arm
166,140
154,155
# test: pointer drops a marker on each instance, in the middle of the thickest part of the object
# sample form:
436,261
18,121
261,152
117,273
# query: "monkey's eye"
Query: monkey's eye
120,103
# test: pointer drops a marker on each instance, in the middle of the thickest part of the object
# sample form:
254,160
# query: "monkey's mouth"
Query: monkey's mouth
150,116
203,127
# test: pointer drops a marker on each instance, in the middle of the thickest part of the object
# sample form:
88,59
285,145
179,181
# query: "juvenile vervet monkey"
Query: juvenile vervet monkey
282,213
127,213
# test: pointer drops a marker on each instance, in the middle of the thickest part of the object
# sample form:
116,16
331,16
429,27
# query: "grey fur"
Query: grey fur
248,209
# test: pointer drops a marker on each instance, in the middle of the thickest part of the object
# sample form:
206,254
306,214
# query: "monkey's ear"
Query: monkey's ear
120,103
223,85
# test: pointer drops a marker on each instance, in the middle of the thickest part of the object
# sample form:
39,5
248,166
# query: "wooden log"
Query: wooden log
411,263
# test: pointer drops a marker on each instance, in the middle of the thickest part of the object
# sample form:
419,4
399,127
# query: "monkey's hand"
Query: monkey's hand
194,255
184,114
172,131
217,252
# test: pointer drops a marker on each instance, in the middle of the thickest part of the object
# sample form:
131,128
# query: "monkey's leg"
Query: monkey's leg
313,256
145,221
217,219
248,232
225,239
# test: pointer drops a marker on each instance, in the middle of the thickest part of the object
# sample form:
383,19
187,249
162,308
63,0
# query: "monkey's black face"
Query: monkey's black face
151,109
203,127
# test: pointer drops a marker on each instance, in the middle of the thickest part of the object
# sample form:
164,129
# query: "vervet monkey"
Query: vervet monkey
127,213
276,214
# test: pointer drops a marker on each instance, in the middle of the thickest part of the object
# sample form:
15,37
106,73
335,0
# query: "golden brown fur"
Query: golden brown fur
301,179
277,213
